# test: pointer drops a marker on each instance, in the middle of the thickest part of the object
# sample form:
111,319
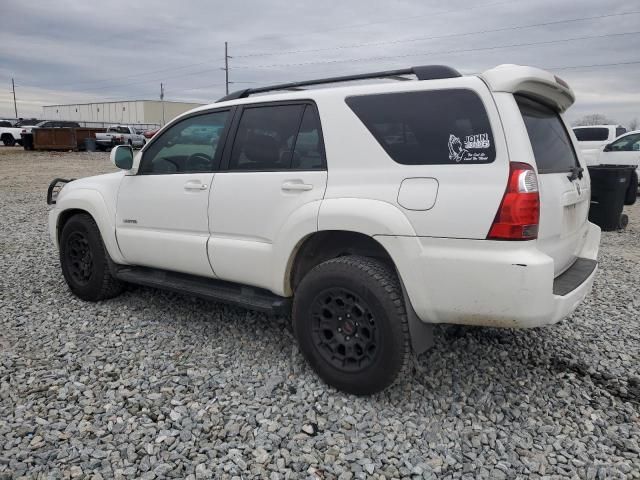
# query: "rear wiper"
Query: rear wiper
576,173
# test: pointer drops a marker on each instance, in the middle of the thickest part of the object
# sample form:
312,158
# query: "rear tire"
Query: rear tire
84,260
350,321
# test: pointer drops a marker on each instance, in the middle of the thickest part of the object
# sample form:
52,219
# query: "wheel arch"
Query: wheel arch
324,245
92,203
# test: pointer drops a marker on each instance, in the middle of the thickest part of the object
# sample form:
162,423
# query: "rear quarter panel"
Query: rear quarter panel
468,195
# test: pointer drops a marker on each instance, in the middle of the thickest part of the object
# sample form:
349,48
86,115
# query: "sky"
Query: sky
76,51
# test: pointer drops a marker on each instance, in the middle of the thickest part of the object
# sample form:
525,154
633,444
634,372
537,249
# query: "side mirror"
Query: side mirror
122,157
607,147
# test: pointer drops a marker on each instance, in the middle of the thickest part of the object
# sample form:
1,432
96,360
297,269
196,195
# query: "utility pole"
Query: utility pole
162,100
15,105
226,67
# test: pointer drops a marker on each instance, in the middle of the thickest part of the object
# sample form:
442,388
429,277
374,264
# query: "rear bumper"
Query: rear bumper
490,283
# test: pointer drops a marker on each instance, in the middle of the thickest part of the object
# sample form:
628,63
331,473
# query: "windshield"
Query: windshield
591,134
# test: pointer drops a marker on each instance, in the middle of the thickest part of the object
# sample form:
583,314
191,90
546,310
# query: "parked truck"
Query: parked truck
119,135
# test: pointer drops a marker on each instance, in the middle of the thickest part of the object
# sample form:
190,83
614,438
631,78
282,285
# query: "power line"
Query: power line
104,83
397,19
387,57
435,37
617,64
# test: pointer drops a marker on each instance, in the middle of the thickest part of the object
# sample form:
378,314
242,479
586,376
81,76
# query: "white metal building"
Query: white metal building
130,112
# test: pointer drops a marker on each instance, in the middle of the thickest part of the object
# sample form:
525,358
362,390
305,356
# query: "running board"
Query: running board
209,289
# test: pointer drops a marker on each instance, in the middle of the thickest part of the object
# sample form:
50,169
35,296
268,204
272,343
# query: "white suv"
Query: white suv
370,212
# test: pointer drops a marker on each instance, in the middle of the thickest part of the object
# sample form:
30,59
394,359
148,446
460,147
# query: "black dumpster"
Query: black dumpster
609,184
27,141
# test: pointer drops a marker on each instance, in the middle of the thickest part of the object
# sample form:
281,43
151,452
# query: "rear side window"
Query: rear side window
308,153
436,127
591,134
550,140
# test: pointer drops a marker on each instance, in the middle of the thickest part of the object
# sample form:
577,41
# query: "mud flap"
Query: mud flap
421,332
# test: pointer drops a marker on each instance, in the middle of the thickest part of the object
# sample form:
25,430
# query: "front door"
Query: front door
267,193
162,219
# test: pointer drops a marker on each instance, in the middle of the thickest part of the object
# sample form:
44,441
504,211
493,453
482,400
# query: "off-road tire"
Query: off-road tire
97,282
378,292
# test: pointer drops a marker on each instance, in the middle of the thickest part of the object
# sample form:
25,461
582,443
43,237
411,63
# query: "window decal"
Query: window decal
459,152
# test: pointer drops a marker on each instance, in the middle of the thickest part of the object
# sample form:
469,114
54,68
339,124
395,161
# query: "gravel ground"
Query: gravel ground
154,385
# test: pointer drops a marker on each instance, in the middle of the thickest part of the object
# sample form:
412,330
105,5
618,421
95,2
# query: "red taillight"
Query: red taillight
519,212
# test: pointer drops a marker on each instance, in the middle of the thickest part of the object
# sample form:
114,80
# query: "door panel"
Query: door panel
248,211
162,221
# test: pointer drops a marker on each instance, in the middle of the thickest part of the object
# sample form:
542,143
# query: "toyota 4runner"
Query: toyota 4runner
367,211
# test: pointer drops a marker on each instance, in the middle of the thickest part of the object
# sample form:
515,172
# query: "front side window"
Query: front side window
630,143
435,127
550,141
620,131
189,146
266,137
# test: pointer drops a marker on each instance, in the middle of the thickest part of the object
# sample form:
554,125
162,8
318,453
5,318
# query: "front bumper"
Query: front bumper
487,283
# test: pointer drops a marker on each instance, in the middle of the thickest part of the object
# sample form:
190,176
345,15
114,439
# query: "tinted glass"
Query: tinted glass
620,131
5,124
630,143
428,128
27,122
550,140
265,138
189,146
308,153
591,134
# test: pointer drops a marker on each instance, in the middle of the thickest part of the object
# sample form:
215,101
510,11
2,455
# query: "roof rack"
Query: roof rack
424,72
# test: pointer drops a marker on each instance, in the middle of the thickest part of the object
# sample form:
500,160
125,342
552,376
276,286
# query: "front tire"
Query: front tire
350,321
84,260
8,140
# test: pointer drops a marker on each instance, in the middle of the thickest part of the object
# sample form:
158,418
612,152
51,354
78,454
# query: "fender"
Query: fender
300,224
371,217
92,202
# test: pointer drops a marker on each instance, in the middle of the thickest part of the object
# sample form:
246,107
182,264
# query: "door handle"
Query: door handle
296,186
195,186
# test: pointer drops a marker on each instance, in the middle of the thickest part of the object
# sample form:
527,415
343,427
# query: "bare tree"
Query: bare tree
634,124
593,119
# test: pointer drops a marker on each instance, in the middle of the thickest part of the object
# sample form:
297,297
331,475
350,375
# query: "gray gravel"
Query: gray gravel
156,385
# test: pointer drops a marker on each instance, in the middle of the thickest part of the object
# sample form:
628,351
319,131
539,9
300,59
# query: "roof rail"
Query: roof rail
424,72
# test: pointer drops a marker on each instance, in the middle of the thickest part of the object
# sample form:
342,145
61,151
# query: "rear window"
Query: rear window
430,127
549,138
592,134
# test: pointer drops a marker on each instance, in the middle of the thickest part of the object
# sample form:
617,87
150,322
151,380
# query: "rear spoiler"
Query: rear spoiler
530,81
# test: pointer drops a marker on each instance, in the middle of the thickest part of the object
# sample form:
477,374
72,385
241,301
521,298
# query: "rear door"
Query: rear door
564,197
274,175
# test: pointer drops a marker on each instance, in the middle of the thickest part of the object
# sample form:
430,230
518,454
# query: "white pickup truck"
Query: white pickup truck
120,135
9,136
